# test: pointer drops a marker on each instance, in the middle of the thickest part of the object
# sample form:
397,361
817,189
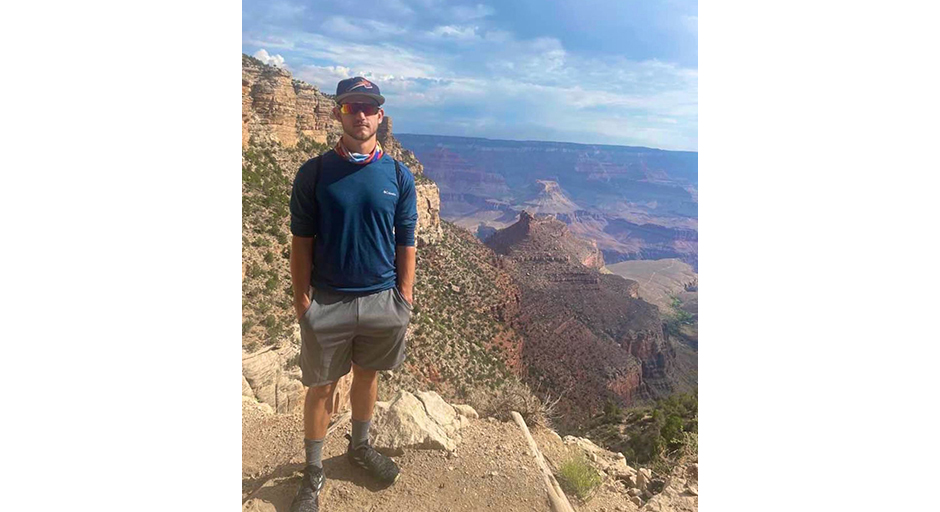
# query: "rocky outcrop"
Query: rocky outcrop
673,492
420,420
275,107
269,377
429,196
585,332
549,198
545,238
429,229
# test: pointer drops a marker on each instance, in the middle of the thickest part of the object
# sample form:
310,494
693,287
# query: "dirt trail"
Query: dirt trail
491,470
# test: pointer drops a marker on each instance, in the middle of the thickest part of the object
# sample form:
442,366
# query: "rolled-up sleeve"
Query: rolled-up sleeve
406,213
303,205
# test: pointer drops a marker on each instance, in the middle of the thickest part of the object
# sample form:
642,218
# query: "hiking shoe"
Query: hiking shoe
378,465
308,496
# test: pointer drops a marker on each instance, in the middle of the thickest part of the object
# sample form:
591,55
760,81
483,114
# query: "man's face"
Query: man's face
358,125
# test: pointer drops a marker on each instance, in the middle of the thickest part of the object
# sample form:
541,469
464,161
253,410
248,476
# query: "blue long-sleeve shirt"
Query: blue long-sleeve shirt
359,215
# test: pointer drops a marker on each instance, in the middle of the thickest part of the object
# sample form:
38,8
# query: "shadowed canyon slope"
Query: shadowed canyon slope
588,337
636,203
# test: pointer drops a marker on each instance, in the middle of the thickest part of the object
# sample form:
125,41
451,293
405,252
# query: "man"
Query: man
353,216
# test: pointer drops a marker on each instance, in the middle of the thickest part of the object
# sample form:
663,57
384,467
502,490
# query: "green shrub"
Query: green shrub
612,412
271,284
577,476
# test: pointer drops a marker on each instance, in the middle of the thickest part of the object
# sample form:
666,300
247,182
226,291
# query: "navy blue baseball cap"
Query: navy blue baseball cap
358,86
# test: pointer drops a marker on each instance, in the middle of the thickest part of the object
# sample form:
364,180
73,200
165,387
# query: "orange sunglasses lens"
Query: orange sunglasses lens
354,108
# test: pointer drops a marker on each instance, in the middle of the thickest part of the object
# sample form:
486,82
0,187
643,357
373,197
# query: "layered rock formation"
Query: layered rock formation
588,337
277,108
429,196
549,199
636,203
546,239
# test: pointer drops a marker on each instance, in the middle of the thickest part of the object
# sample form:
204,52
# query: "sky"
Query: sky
587,71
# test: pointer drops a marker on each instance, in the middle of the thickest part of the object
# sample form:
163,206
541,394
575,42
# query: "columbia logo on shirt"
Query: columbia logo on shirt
386,192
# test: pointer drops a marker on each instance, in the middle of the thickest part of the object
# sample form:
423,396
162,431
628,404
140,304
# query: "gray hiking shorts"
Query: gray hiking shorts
338,329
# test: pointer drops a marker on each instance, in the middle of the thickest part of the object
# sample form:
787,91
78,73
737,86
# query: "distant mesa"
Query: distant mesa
635,203
547,238
550,199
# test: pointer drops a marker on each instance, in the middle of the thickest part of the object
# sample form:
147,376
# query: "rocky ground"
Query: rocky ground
489,465
489,470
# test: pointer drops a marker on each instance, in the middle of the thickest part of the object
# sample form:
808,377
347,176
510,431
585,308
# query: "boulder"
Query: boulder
437,409
261,371
410,421
290,394
642,479
619,470
467,411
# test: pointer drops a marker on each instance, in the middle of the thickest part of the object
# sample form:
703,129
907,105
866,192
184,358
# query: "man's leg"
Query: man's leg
362,396
379,345
318,406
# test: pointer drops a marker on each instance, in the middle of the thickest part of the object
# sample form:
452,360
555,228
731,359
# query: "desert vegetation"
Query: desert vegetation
267,174
578,477
660,434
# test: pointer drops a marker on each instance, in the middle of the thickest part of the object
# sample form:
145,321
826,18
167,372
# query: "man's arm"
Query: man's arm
301,261
405,266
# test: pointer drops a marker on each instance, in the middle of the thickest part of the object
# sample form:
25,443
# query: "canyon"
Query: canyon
636,203
534,305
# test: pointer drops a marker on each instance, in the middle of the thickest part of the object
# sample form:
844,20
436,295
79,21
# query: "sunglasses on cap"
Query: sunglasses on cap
368,109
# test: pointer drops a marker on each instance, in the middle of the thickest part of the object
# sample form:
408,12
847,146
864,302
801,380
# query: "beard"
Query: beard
360,133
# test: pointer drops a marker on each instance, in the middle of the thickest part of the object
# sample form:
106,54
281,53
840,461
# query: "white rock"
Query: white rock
642,479
409,421
439,410
467,411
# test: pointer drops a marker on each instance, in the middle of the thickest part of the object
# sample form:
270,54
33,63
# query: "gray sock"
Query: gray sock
314,449
360,432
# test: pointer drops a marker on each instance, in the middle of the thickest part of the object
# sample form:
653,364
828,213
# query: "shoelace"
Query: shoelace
315,484
374,460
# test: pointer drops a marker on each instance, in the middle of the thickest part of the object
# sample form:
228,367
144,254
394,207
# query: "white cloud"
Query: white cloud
380,59
454,32
324,77
360,28
271,60
271,42
463,13
285,10
501,85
